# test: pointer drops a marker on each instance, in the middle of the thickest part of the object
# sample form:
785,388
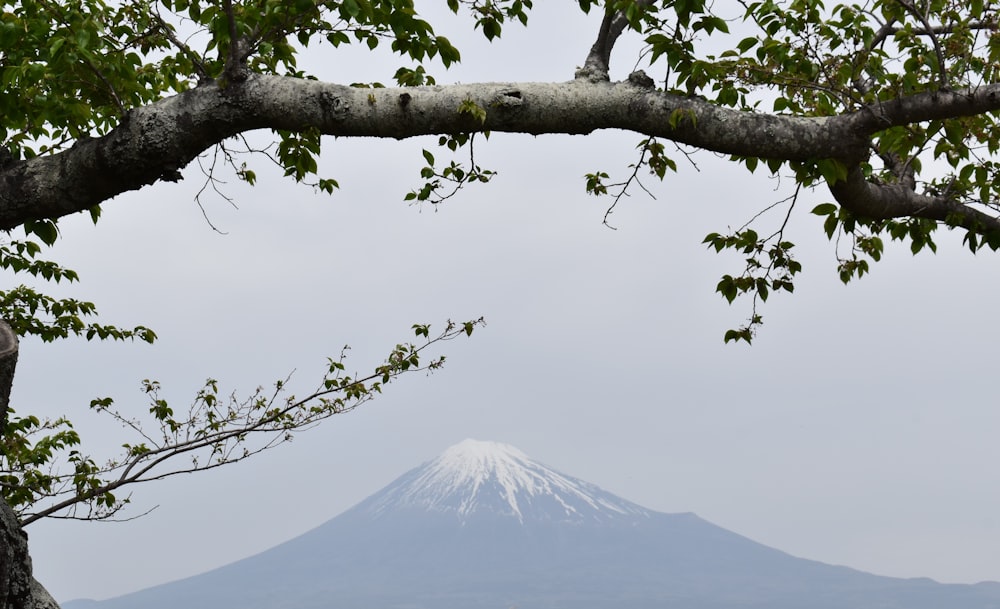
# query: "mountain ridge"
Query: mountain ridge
480,527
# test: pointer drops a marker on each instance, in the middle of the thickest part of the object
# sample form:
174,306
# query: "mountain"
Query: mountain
475,480
484,526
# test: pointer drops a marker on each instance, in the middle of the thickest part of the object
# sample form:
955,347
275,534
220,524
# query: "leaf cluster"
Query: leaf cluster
491,15
33,313
442,184
769,266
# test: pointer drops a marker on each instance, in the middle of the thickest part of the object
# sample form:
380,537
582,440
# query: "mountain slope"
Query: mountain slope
484,526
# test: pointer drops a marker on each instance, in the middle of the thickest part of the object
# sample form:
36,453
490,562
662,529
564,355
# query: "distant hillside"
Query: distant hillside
483,526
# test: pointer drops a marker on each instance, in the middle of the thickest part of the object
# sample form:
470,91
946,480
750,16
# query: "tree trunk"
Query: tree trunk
18,589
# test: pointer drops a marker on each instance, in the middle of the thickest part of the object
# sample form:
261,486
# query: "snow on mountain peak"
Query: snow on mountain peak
489,477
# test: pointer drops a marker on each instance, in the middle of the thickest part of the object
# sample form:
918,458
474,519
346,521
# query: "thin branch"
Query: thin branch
196,60
105,518
624,186
225,437
942,70
887,29
454,174
211,180
778,237
930,30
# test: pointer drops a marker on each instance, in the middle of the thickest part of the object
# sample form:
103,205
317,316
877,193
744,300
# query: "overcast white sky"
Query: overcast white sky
860,429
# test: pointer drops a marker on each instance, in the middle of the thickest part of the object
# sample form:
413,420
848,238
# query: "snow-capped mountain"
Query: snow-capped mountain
488,478
485,527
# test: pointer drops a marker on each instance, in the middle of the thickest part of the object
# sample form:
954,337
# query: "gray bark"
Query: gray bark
154,142
8,363
18,589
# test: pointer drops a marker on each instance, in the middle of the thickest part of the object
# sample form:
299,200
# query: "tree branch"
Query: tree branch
927,106
930,32
889,29
598,63
154,142
216,433
168,32
869,199
235,61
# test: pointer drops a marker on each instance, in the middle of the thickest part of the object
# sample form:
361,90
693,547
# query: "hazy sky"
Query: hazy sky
860,428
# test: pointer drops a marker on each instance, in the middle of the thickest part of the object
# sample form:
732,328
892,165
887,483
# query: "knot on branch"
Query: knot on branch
510,98
336,107
641,79
235,74
236,71
592,71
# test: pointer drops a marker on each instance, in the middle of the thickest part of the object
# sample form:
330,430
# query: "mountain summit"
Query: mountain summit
485,527
475,478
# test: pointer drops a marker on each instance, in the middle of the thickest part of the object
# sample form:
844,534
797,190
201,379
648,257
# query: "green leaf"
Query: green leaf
743,334
728,288
45,230
472,109
747,43
830,225
832,170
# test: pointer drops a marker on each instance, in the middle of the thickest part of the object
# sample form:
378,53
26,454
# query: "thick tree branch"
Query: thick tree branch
932,105
876,200
154,142
868,199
